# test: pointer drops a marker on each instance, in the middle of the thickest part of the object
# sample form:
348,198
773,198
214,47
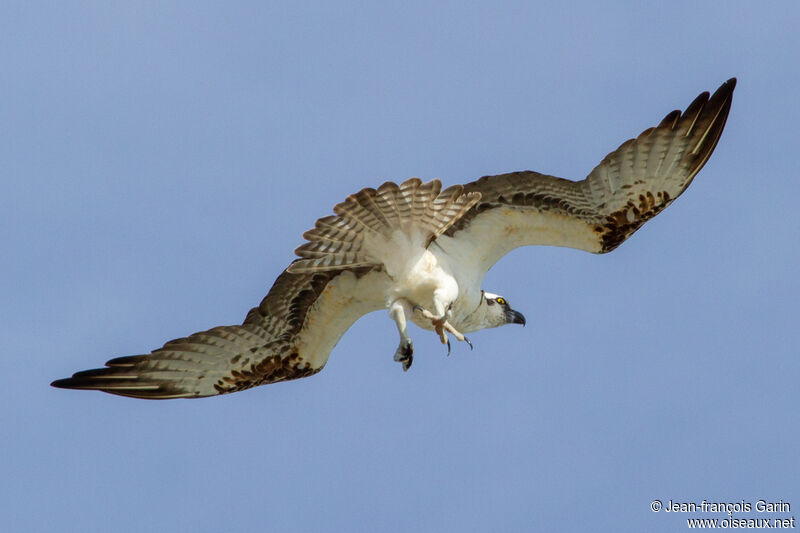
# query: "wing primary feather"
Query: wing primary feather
716,122
695,109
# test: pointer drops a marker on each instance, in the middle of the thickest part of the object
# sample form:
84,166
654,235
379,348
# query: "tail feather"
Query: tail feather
372,224
449,206
421,196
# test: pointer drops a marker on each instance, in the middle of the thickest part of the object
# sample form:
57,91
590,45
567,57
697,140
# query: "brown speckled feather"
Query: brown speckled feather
631,185
264,349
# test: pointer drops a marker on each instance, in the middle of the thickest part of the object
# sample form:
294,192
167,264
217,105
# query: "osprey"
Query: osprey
422,253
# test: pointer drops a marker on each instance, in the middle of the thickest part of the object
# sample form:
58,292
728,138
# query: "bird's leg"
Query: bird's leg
437,322
405,351
442,326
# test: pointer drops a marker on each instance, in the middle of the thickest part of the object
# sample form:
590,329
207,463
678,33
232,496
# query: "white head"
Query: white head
493,311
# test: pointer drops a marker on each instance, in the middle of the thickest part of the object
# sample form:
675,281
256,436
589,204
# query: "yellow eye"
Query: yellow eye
501,301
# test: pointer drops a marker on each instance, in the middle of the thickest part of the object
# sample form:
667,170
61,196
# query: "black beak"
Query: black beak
515,317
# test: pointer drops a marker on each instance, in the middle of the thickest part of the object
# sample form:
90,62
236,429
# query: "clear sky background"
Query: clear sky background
159,164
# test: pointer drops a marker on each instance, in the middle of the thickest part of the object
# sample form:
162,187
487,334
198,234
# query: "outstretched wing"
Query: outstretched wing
288,336
629,187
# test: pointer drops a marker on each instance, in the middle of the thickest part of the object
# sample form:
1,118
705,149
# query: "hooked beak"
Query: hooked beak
515,317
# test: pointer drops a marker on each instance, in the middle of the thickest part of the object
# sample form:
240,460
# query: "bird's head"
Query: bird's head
497,311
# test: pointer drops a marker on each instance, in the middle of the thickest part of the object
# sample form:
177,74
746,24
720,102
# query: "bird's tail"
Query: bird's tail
372,226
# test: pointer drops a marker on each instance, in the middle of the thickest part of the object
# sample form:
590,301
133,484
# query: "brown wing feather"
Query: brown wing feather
631,185
266,348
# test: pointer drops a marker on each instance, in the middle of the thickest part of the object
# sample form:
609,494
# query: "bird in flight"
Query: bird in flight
421,253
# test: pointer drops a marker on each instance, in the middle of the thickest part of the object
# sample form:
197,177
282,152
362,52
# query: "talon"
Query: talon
467,341
405,354
442,326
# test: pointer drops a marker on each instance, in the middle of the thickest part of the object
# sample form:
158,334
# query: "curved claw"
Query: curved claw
405,354
448,347
467,341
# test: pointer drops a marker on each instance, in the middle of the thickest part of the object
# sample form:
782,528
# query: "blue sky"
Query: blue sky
160,163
